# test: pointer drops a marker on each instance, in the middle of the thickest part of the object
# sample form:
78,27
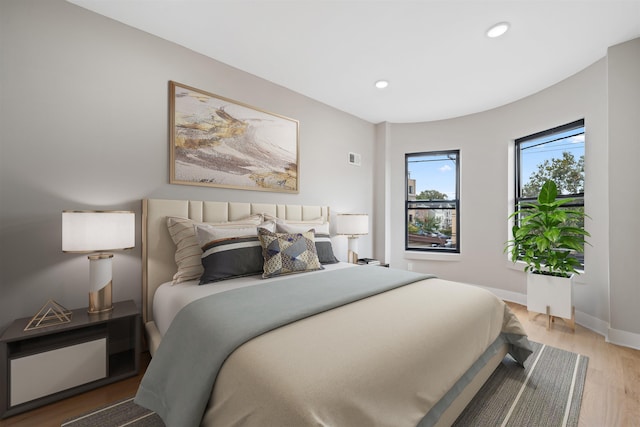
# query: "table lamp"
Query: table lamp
352,225
97,232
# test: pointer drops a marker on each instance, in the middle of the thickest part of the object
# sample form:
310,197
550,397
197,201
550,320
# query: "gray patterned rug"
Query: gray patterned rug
547,392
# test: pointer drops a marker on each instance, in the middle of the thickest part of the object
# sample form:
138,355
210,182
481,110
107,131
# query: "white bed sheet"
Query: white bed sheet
170,299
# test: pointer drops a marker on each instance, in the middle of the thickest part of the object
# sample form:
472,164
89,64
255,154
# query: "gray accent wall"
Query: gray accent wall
84,125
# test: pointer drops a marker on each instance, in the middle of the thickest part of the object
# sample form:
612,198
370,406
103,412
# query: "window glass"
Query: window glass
556,154
432,205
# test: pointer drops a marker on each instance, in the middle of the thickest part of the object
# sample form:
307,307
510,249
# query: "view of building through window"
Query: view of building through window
432,201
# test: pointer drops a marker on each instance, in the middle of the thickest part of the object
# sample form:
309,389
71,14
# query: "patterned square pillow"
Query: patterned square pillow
322,238
230,252
286,253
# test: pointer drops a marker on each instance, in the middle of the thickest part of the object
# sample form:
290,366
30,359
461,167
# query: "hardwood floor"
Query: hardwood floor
611,394
612,389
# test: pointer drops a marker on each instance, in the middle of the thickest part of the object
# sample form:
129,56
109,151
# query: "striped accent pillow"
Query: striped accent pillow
188,254
230,252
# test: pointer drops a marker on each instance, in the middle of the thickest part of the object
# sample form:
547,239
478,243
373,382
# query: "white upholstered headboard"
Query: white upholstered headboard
158,249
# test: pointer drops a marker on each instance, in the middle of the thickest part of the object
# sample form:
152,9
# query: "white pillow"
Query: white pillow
206,233
287,226
298,227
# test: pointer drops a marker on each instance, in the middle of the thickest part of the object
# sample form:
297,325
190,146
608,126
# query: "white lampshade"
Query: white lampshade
93,231
98,231
352,224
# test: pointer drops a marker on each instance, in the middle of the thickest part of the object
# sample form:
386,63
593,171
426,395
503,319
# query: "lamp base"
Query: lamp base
352,253
100,300
100,283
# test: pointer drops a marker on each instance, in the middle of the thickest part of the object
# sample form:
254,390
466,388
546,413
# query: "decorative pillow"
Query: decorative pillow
229,252
188,252
324,247
286,253
319,220
205,233
297,227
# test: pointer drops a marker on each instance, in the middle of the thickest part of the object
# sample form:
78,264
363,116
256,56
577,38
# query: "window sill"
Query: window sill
432,256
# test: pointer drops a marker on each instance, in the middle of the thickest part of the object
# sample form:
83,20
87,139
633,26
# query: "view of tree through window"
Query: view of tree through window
556,154
432,203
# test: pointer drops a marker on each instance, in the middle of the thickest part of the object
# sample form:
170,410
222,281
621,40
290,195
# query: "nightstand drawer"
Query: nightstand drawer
52,371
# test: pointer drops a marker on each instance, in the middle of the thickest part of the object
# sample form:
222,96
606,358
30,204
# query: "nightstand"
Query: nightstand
41,366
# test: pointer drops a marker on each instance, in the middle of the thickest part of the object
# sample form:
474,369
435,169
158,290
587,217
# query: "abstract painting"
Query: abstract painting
219,142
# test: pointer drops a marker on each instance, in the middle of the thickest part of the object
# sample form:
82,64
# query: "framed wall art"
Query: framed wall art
218,142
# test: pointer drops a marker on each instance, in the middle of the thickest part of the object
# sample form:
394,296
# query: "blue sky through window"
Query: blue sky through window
434,172
537,150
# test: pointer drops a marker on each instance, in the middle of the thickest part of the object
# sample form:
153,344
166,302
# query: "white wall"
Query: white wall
485,141
83,125
624,196
382,181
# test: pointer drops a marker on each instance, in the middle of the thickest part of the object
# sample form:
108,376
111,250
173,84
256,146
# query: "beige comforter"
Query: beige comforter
382,361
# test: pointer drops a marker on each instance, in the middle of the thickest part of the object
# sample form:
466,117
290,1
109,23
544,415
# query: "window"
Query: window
556,154
432,204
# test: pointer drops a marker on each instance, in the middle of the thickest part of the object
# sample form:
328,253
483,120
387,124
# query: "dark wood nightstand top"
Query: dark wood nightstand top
79,319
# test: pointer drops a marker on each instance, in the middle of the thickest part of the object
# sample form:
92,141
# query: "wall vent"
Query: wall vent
354,159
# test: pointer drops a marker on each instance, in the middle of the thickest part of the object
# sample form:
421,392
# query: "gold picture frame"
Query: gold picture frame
218,142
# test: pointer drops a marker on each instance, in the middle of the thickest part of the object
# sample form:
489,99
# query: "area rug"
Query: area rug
548,391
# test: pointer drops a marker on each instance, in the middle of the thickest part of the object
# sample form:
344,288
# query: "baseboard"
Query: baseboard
593,323
516,297
624,338
614,336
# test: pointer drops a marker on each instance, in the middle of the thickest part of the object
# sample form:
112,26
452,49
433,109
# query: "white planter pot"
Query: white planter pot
549,291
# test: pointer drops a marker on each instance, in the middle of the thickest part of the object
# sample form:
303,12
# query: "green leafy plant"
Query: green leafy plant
546,238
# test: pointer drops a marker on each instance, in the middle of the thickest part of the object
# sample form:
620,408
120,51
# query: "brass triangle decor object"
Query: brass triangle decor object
50,314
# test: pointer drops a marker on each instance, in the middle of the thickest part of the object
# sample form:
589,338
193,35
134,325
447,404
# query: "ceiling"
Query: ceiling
435,54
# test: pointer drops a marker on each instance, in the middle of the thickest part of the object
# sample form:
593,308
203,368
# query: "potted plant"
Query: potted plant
546,238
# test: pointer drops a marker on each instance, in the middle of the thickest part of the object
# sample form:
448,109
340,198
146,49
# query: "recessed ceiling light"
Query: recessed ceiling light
498,30
381,84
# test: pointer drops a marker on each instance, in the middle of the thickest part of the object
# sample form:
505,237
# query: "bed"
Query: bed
372,346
